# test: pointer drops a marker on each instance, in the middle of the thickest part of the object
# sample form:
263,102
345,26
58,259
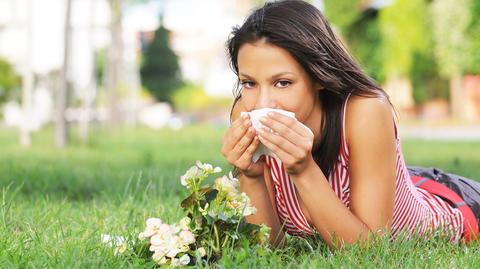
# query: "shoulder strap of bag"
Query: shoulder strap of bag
470,222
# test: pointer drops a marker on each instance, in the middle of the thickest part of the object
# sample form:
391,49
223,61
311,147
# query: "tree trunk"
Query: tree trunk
27,86
457,97
89,93
61,128
114,62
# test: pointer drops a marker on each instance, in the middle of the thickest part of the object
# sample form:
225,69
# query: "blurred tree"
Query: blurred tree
113,72
61,125
9,80
473,34
190,97
90,91
424,73
450,22
364,40
160,72
403,31
342,13
27,80
427,84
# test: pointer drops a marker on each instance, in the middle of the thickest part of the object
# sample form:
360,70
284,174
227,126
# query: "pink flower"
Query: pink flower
187,237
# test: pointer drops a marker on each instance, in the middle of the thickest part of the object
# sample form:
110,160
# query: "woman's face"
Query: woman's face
272,78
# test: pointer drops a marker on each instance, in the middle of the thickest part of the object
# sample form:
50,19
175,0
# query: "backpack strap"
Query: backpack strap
470,225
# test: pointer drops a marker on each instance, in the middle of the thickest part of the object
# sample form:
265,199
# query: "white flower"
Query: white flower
153,225
106,238
118,242
184,260
173,252
204,166
208,167
175,262
227,184
249,210
154,222
191,174
187,237
159,257
202,252
183,224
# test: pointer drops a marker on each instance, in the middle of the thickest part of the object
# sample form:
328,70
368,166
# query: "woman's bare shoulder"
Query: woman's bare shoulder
368,116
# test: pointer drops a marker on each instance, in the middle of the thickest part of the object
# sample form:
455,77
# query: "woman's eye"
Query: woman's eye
248,84
283,83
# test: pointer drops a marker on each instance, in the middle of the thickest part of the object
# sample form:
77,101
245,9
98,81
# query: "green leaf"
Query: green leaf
223,217
189,201
211,195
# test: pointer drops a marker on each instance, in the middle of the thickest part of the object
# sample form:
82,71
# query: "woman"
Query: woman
337,168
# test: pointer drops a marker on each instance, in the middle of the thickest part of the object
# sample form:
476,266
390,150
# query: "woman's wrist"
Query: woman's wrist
310,170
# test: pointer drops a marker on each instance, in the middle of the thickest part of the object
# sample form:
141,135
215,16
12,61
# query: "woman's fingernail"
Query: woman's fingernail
263,119
271,114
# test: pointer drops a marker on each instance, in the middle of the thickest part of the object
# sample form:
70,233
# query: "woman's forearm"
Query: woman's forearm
332,219
257,190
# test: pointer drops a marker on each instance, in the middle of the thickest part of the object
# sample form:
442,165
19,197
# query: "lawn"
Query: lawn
55,204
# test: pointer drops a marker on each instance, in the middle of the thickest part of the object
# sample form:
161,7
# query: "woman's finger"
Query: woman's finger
245,161
278,143
281,129
290,123
236,131
242,144
277,150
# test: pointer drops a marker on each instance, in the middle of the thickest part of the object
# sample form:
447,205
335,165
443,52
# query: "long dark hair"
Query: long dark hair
303,31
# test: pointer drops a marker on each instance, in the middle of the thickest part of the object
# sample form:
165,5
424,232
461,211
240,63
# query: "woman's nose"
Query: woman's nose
265,100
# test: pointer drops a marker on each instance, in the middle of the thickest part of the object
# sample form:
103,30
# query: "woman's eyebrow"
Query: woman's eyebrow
272,77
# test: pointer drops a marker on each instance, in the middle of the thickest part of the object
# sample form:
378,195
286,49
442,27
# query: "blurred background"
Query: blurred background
76,67
104,104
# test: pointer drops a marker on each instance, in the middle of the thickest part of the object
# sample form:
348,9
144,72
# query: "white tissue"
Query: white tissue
255,116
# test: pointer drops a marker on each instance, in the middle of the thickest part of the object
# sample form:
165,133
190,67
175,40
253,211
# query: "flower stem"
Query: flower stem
217,239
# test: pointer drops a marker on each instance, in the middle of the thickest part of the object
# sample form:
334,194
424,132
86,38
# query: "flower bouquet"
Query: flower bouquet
214,222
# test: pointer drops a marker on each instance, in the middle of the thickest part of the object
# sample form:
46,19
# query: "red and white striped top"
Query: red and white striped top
415,210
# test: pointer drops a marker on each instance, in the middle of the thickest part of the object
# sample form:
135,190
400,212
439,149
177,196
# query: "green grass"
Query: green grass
55,204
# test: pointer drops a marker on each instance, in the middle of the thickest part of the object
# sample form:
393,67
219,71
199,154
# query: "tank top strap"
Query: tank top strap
343,146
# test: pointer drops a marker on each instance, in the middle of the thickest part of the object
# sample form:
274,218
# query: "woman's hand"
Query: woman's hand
239,144
290,140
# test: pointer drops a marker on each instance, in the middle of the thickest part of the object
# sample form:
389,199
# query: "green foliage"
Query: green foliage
450,22
342,13
426,82
364,39
160,72
100,63
403,29
473,33
9,80
218,213
193,98
190,97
